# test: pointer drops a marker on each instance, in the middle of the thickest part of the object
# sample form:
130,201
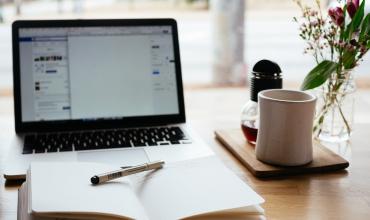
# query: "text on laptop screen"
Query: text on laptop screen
97,72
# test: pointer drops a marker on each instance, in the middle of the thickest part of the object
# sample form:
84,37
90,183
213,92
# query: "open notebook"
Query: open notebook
197,189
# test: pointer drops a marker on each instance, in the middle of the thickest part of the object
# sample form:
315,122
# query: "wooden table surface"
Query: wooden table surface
338,195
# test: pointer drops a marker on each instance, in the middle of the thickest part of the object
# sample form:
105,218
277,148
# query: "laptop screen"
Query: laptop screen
90,73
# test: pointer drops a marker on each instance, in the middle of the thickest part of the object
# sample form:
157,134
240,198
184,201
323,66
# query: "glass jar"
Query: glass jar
249,121
265,75
335,109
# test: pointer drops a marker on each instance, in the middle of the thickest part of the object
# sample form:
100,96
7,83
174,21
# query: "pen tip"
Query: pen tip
94,180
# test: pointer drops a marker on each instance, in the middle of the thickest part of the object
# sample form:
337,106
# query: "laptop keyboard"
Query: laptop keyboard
103,139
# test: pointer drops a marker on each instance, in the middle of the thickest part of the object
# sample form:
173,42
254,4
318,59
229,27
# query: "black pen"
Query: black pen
125,172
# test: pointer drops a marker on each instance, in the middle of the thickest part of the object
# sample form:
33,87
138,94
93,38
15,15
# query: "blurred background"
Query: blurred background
220,40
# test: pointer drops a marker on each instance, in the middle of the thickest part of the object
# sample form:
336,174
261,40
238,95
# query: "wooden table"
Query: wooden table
339,195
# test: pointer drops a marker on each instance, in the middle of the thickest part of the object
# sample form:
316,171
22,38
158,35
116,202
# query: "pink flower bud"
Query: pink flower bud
337,15
352,6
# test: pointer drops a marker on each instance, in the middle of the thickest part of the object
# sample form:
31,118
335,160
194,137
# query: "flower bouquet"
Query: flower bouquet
338,43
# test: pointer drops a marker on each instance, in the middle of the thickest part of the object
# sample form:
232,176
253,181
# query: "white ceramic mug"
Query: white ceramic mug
285,127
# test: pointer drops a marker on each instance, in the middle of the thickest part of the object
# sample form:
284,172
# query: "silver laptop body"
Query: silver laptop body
106,91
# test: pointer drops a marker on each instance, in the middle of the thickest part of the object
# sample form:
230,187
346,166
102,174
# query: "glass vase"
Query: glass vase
335,108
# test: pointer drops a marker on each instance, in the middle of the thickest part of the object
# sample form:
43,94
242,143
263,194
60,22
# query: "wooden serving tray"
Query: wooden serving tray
324,160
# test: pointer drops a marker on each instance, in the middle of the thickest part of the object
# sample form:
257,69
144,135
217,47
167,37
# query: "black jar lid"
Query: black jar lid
266,74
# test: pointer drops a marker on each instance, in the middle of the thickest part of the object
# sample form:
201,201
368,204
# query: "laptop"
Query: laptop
105,91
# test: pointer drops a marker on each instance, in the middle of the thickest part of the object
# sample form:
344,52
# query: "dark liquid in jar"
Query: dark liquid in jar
250,134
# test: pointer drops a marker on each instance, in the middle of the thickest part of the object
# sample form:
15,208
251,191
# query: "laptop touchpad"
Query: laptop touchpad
127,157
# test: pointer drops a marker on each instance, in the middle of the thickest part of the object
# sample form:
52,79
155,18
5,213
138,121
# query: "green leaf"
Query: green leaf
359,15
349,59
365,28
318,75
